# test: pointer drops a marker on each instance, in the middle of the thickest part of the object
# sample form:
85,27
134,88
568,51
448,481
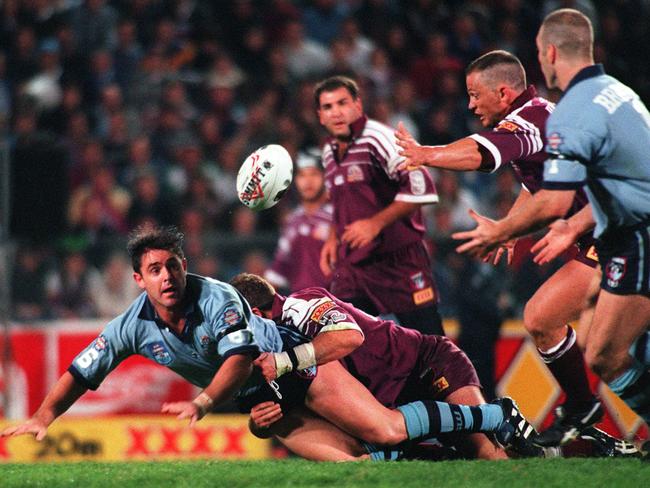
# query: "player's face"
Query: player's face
310,183
337,110
163,276
487,103
543,56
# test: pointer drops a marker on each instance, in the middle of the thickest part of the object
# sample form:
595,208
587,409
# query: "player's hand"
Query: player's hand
266,363
264,414
413,153
481,240
559,238
508,248
32,426
185,410
360,233
328,256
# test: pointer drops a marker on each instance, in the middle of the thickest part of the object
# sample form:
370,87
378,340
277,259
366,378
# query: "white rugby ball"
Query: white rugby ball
264,177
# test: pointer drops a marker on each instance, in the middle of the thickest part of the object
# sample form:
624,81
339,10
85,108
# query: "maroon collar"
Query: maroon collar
527,95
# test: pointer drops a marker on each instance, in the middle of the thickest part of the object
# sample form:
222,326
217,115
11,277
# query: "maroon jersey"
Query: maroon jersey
388,355
296,262
365,181
519,140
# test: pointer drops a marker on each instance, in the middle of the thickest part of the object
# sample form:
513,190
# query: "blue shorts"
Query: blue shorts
624,257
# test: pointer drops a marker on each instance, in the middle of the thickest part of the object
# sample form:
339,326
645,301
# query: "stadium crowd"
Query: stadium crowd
117,113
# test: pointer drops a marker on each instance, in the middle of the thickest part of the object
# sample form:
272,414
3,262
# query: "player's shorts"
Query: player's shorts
442,369
624,257
394,282
586,253
288,390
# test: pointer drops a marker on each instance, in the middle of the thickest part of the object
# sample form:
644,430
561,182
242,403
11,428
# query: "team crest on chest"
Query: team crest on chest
615,271
355,173
159,353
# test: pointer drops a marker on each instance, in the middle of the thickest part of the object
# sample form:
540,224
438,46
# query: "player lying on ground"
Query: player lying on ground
397,365
515,118
203,330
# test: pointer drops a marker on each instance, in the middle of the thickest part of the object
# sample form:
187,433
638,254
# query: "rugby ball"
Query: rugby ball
264,177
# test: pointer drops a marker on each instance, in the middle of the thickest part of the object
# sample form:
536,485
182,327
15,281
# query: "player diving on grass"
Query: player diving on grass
598,138
397,365
205,331
515,117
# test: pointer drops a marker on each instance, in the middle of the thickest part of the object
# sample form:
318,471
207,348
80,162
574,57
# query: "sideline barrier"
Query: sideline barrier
138,438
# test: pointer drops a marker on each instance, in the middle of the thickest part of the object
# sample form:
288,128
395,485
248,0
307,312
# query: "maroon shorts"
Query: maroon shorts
587,251
442,369
395,282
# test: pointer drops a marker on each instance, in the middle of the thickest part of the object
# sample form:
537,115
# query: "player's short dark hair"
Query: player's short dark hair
147,237
334,83
500,66
258,292
570,31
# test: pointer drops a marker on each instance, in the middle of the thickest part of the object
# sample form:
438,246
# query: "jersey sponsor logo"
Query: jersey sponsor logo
592,254
321,309
159,353
440,385
100,343
615,271
417,182
240,337
355,173
423,296
332,317
554,141
232,317
507,125
339,180
418,281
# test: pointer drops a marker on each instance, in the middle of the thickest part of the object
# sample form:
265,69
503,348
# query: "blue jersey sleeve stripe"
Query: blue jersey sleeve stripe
562,185
250,350
81,379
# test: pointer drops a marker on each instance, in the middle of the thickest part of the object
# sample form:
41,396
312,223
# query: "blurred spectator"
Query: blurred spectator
149,204
113,289
94,24
28,298
127,54
304,56
323,19
68,288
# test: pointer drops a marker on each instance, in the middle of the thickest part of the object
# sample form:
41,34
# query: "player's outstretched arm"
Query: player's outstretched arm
461,155
230,377
65,392
327,346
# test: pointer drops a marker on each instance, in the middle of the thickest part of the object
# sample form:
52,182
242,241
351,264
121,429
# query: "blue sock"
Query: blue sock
633,387
379,454
430,418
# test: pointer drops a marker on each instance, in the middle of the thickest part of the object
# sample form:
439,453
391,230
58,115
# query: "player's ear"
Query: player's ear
184,264
138,279
257,312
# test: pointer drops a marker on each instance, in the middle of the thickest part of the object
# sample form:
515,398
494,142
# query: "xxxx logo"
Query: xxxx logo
157,441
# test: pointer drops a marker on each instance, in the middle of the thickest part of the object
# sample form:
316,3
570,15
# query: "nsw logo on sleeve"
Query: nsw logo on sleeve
159,352
232,317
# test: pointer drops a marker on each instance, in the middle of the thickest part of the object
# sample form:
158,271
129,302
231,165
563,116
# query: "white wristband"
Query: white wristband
282,363
204,402
306,355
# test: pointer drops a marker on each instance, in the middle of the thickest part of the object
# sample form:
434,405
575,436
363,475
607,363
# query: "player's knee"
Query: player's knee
384,435
534,320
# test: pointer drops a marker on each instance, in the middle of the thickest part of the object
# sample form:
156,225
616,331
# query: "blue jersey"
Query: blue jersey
599,135
219,323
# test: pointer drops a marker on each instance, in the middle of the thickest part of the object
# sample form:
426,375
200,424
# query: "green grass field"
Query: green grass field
611,473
